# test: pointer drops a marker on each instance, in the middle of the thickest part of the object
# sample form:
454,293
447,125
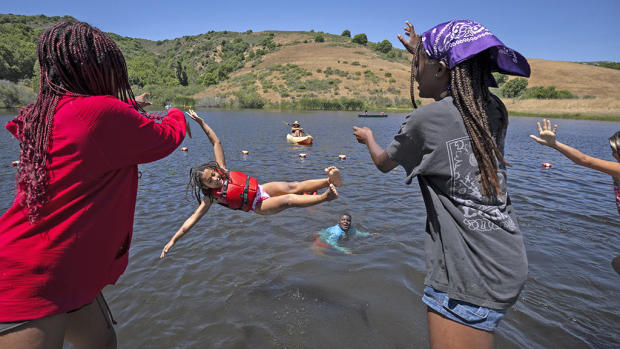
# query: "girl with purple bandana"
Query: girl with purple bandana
476,264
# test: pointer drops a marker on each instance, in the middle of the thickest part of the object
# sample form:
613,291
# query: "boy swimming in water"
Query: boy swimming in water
341,231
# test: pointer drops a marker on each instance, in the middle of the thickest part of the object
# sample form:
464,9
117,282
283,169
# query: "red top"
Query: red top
80,243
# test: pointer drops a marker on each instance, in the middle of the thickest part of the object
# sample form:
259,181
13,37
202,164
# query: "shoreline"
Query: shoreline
572,116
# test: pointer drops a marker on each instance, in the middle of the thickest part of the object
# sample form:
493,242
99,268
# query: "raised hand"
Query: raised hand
413,41
142,100
546,136
192,114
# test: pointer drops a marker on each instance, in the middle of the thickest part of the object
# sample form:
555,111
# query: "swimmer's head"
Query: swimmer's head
345,221
205,177
614,142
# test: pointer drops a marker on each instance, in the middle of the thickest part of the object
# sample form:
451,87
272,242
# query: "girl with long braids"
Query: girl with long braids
68,232
212,183
476,264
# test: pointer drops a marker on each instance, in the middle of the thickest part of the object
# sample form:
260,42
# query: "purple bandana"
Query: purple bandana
458,40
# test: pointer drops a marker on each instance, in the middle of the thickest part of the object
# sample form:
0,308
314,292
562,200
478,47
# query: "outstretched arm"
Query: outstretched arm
379,156
218,150
187,225
547,136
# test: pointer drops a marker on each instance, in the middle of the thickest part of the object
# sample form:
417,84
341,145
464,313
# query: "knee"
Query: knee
292,187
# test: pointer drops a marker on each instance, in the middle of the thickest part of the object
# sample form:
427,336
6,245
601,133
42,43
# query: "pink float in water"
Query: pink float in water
546,165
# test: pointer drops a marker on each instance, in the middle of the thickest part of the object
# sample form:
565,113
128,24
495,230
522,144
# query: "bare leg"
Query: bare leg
91,327
446,334
43,333
309,186
278,203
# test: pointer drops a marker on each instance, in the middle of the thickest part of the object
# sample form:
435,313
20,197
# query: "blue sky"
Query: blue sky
557,30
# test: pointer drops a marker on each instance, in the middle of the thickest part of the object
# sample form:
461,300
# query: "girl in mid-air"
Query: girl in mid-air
213,182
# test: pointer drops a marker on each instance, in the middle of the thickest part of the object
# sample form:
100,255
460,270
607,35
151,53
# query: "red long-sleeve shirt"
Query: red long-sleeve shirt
80,243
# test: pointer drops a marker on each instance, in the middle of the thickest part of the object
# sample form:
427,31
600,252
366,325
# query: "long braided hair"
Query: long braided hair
471,95
76,59
470,92
194,185
414,68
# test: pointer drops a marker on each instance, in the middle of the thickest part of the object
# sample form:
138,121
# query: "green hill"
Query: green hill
295,70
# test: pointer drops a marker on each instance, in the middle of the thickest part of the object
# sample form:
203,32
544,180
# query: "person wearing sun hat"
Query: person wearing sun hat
296,130
476,264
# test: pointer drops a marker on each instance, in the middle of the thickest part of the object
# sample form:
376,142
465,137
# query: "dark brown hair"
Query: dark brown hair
194,185
470,91
614,142
75,59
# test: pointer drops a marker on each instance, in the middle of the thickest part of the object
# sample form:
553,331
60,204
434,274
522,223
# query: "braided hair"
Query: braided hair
614,142
414,70
471,95
76,59
470,92
195,186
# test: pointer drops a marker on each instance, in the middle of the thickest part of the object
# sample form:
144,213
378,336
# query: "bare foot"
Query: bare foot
331,193
333,175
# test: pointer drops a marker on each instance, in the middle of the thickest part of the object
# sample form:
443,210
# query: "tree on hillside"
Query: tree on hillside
513,87
384,46
360,39
181,74
346,33
319,38
500,78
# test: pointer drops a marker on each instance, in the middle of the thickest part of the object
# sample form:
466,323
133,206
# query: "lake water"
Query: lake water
240,280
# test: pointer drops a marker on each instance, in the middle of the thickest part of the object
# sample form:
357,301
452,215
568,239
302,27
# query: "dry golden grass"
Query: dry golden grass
580,79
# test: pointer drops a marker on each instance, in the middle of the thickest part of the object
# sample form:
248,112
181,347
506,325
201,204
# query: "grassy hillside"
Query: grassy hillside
292,69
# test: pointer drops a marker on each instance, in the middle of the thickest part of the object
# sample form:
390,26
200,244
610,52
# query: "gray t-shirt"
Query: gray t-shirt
474,248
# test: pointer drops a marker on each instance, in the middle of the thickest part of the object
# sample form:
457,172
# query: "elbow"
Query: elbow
383,169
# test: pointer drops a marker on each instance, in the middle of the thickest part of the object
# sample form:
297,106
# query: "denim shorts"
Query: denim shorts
462,312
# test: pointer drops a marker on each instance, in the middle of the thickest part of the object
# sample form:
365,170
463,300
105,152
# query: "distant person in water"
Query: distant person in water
331,236
213,182
296,129
547,136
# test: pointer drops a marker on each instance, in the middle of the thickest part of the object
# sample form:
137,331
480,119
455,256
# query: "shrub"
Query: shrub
500,78
346,33
14,95
249,99
384,46
360,39
355,63
388,74
513,87
319,38
540,92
